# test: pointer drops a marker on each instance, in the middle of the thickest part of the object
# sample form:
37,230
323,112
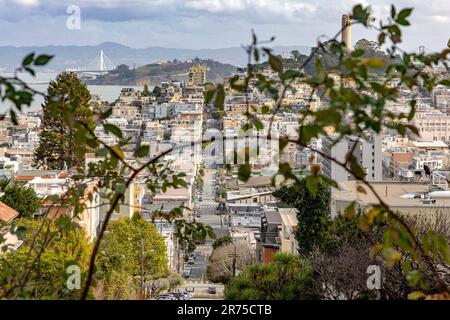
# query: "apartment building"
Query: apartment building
433,124
197,75
367,152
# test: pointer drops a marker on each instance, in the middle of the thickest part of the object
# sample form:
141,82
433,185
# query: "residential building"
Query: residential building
288,227
409,198
367,152
270,242
197,75
433,124
10,241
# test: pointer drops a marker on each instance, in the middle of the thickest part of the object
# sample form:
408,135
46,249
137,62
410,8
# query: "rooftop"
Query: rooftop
288,216
397,194
172,194
430,144
7,214
273,217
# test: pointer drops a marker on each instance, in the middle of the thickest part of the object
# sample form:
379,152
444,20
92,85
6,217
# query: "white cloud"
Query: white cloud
207,23
28,3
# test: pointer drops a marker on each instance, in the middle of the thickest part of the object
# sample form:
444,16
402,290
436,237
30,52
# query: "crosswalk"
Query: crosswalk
203,250
207,204
196,281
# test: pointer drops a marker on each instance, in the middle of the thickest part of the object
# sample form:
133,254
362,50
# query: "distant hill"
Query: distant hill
155,73
330,59
80,56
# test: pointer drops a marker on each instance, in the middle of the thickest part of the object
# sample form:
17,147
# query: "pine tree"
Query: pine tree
146,91
67,98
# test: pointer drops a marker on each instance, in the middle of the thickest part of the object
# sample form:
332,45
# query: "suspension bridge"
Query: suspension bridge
100,65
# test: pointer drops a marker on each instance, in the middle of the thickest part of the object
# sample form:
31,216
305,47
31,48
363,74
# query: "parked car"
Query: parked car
211,290
184,295
190,262
188,295
178,295
165,296
187,273
192,256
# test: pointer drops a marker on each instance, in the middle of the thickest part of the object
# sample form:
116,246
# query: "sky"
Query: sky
199,24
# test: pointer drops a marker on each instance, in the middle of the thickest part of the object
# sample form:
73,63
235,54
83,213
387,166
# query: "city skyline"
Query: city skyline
146,168
205,24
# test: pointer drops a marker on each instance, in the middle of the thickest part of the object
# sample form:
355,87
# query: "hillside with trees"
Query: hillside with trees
330,57
155,73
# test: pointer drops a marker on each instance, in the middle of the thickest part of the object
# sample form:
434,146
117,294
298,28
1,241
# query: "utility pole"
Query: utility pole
142,268
234,261
221,221
178,256
234,257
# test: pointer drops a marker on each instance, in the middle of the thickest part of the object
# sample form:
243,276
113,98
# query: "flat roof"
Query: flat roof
273,217
393,193
288,216
424,144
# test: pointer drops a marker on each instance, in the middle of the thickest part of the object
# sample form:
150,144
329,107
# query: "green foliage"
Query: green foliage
222,241
223,192
287,277
146,91
338,233
22,199
142,151
15,90
313,212
244,172
127,244
157,91
60,245
355,106
66,102
154,73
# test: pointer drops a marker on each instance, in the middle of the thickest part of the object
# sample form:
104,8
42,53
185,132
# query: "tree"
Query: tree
157,91
296,54
222,192
122,69
336,249
67,246
222,241
22,199
287,277
341,259
67,97
366,45
313,212
132,248
221,261
356,106
343,273
146,91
